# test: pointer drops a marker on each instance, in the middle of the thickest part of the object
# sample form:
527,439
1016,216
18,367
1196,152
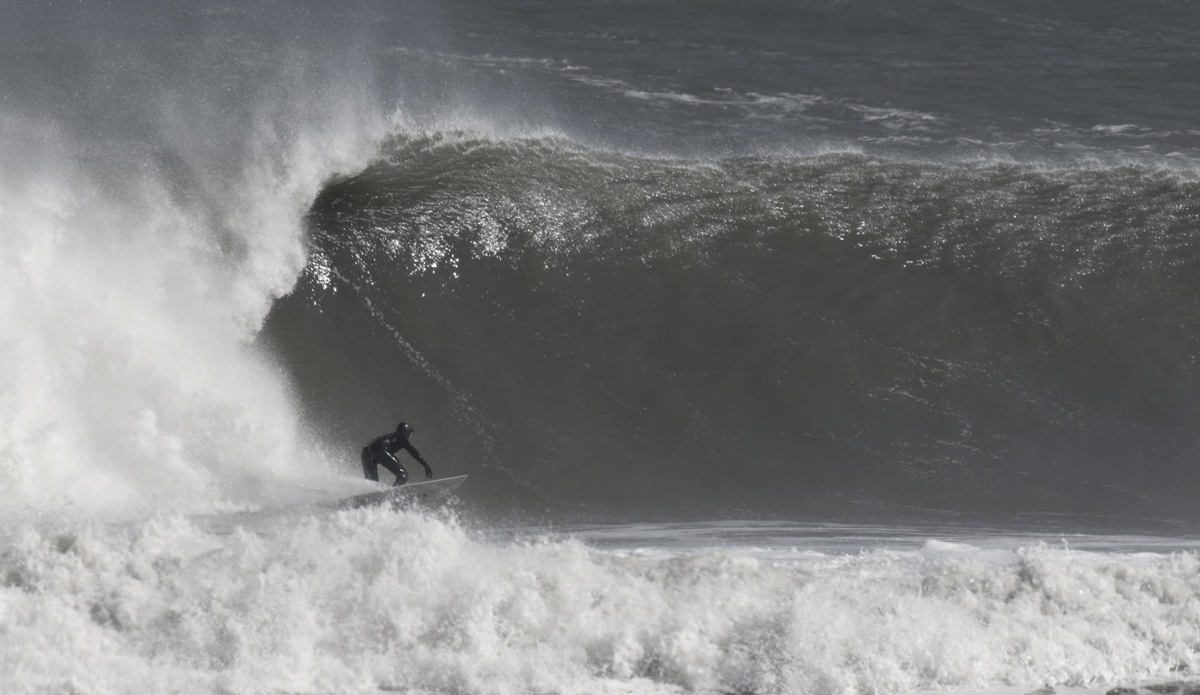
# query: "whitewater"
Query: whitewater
371,601
802,348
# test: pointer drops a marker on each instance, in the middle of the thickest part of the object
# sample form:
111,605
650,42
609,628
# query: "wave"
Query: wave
757,333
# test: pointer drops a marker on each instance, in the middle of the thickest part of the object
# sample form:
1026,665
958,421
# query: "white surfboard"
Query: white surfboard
428,492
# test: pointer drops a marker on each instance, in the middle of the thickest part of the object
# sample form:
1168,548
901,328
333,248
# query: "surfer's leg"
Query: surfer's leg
390,463
370,468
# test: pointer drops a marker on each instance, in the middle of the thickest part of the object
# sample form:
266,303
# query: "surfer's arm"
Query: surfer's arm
412,450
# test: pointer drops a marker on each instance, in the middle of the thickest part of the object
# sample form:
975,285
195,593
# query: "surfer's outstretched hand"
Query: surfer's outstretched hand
428,471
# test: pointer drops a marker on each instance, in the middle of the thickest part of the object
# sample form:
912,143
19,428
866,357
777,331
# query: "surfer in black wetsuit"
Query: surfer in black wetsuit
379,453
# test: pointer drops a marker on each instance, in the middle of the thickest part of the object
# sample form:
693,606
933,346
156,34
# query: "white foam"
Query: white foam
369,600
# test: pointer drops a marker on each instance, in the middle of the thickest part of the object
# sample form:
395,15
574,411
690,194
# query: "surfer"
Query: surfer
379,453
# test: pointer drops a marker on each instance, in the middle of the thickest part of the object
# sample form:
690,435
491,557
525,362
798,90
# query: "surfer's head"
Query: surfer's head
404,429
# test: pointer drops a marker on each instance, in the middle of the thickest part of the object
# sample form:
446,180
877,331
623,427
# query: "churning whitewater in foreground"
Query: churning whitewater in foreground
369,601
804,348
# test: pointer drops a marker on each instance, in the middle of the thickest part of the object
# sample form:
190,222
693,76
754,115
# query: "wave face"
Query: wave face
759,333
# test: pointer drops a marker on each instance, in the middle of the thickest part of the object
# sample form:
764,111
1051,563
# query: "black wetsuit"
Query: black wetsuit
379,453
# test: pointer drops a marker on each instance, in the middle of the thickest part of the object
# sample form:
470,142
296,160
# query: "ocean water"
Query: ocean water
810,348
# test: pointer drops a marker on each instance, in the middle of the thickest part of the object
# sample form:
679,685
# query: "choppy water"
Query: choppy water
809,347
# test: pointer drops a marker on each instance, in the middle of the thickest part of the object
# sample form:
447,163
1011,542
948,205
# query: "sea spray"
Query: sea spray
132,282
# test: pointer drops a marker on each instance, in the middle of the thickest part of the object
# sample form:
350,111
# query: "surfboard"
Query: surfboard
428,492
